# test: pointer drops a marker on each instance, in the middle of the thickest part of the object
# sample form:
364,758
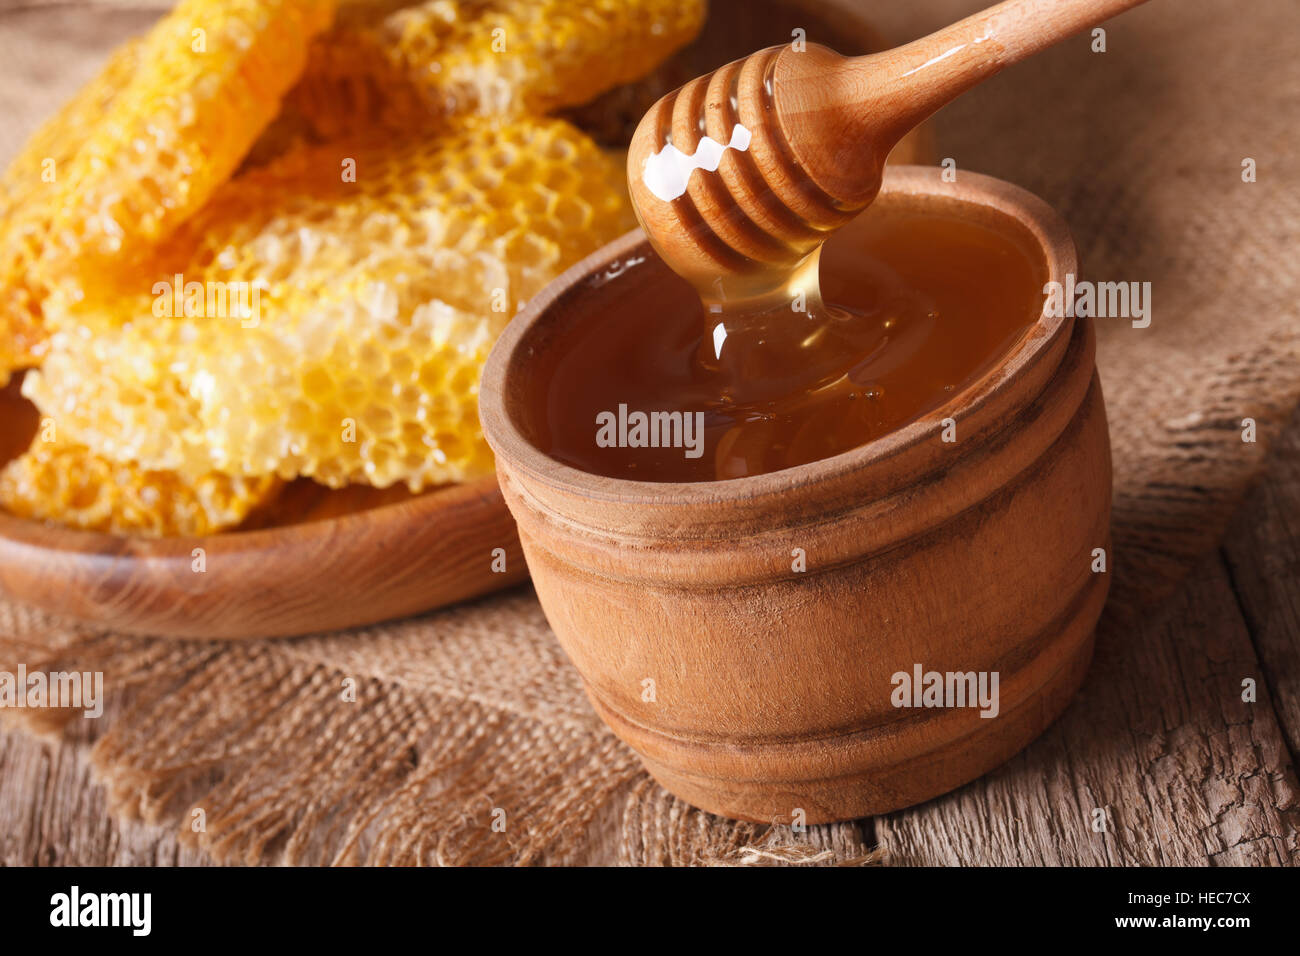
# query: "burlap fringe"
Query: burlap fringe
660,830
259,757
1177,488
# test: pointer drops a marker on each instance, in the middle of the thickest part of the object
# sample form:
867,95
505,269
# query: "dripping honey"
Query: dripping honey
918,305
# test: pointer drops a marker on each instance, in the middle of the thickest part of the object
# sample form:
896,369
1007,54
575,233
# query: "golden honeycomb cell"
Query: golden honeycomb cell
28,201
68,483
210,77
400,63
372,306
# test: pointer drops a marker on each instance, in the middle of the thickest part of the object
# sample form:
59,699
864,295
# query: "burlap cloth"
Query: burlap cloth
475,708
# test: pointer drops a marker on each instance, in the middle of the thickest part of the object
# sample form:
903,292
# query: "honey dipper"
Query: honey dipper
793,141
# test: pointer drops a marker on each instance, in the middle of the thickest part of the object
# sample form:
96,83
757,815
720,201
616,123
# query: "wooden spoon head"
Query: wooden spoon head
723,170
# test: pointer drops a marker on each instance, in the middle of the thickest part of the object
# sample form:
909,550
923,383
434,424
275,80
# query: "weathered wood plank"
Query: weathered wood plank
1263,556
53,814
1160,741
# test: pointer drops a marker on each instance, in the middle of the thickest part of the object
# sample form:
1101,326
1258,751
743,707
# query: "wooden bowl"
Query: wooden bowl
772,687
314,560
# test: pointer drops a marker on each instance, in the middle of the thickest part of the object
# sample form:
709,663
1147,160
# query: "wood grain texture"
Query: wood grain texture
52,813
1263,560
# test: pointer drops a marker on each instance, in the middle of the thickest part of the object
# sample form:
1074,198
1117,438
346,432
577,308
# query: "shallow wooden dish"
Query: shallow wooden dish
321,560
317,560
773,686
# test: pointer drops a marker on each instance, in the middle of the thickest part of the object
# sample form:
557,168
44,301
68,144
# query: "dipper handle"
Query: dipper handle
793,142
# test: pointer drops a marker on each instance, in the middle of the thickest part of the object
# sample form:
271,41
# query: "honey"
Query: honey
671,387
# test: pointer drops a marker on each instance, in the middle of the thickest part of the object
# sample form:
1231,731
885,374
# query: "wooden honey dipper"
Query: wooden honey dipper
793,142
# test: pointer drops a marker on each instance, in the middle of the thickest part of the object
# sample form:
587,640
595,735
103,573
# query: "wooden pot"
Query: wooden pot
758,691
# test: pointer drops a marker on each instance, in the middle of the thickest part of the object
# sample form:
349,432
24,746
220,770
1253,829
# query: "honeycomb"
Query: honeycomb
211,76
403,62
27,207
377,302
379,267
68,483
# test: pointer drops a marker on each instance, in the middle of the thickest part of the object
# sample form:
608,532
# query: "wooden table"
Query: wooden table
1159,746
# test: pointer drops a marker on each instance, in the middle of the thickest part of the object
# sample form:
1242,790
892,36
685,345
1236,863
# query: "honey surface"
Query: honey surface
918,306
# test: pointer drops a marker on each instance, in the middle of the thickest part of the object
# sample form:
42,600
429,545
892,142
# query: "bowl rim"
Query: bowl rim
283,581
1039,220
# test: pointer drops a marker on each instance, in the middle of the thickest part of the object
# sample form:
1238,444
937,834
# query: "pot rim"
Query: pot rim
1040,221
